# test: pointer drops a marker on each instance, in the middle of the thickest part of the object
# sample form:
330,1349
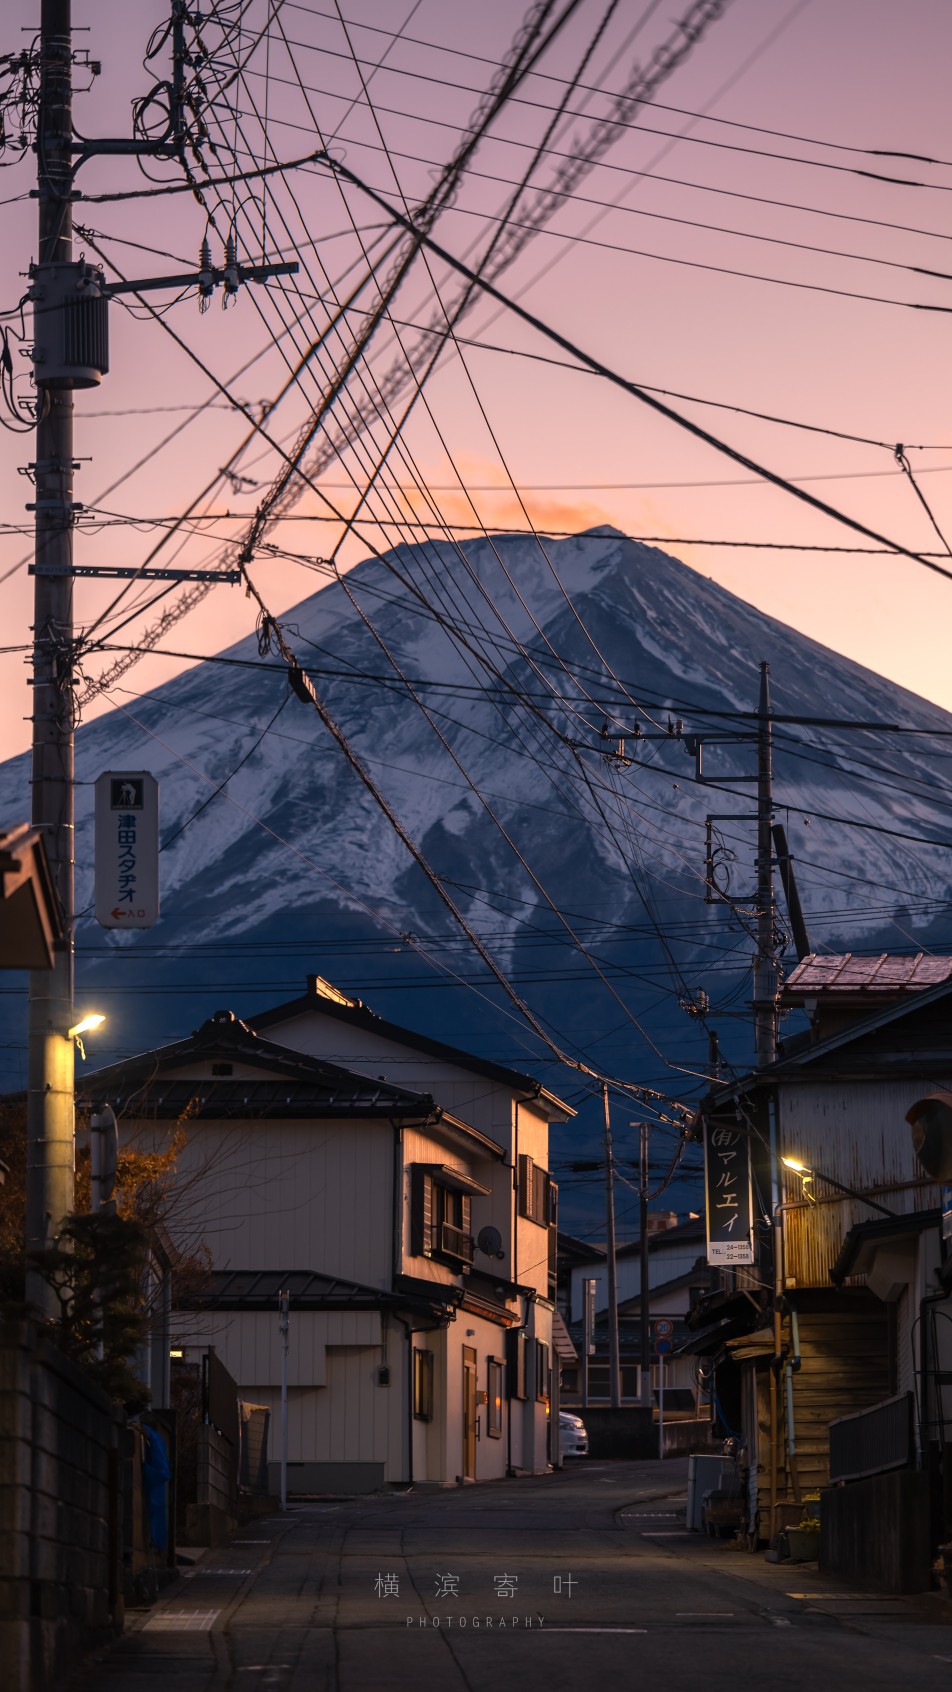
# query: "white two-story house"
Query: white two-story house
397,1189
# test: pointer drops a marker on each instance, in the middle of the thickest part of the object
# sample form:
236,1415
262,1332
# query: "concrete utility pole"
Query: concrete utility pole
645,1270
765,962
50,1137
614,1368
284,1329
70,327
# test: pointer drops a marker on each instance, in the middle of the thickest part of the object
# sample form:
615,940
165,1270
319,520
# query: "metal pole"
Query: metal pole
50,1127
765,966
661,1404
645,1306
614,1371
588,1334
284,1325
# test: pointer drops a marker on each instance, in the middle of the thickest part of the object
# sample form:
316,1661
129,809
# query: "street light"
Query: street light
806,1173
95,1019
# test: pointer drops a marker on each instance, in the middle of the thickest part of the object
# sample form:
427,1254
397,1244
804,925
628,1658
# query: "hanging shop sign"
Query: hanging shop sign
728,1194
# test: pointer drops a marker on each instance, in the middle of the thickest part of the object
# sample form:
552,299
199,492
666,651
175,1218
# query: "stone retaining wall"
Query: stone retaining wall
59,1513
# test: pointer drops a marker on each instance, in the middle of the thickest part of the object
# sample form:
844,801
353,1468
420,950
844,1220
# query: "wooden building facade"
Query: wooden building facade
836,1316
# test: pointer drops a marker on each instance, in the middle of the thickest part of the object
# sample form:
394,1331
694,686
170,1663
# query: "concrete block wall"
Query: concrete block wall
58,1497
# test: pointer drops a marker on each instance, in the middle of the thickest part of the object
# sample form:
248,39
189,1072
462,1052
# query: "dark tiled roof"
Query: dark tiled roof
217,1099
842,973
258,1289
881,1228
291,1084
682,1234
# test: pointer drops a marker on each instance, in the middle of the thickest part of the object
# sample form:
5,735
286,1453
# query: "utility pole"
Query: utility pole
644,1309
614,1368
70,326
50,1130
284,1328
765,962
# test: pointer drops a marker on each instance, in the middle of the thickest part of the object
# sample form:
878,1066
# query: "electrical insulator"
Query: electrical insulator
230,277
206,281
70,325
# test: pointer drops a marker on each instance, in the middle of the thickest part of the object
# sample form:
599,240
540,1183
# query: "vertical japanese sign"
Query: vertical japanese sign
729,1200
127,849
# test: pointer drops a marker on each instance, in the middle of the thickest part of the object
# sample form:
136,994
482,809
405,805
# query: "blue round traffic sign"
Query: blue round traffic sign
662,1347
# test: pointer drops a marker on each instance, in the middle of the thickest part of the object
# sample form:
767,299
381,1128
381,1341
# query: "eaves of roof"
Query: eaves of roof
698,1275
359,1016
882,1228
283,1098
580,1250
473,1135
259,1289
663,1238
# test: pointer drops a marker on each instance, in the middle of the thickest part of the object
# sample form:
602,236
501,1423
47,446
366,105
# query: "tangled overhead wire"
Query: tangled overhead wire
19,96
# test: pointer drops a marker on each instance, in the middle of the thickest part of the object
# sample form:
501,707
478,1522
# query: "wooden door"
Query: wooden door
469,1413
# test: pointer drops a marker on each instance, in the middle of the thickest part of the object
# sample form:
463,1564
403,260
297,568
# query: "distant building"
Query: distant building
678,1275
397,1188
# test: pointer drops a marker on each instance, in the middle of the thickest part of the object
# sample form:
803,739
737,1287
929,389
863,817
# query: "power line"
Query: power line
632,388
660,105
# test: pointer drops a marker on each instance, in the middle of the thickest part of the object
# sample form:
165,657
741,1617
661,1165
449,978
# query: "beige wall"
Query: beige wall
284,1195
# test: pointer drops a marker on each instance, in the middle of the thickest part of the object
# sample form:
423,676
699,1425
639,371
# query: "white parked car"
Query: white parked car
573,1440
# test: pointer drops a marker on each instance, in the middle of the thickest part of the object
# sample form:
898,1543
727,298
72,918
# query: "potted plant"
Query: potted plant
804,1540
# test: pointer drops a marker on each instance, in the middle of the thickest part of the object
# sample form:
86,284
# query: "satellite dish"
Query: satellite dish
931,1122
489,1241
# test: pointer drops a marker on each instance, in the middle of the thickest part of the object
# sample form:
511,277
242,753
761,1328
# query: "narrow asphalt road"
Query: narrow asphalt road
586,1578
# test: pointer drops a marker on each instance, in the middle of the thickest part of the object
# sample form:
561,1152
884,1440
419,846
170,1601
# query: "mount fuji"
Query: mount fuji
582,869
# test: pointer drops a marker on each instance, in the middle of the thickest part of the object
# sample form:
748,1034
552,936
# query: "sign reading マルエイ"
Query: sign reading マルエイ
730,1218
127,849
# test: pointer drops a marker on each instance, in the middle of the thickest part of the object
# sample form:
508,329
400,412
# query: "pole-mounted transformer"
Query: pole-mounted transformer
70,325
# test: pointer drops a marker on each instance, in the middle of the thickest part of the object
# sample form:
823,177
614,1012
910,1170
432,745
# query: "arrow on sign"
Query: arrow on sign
118,913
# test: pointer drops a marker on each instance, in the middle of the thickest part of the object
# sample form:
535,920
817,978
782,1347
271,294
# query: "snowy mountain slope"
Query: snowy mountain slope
321,883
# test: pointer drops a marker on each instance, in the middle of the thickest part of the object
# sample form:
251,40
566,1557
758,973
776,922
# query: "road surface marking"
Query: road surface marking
192,1574
705,1613
182,1621
850,1597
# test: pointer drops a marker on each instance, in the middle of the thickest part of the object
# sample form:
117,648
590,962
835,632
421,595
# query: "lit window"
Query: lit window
494,1402
423,1385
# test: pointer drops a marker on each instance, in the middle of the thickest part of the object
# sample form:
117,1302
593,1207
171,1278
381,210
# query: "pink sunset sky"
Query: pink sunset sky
834,338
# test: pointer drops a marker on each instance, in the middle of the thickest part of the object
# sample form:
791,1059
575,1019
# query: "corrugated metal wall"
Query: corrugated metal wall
856,1132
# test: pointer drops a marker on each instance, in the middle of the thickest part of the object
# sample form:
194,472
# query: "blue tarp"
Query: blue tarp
156,1474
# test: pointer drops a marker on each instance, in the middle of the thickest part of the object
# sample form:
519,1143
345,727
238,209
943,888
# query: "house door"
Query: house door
469,1413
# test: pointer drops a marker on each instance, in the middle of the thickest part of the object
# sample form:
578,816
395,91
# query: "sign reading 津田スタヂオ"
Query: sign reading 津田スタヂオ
730,1218
127,849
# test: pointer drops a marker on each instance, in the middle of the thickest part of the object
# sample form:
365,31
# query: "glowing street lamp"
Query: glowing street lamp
806,1173
95,1019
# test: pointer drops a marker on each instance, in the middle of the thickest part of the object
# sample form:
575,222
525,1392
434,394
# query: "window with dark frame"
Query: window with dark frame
516,1361
538,1194
422,1384
494,1398
542,1371
440,1219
